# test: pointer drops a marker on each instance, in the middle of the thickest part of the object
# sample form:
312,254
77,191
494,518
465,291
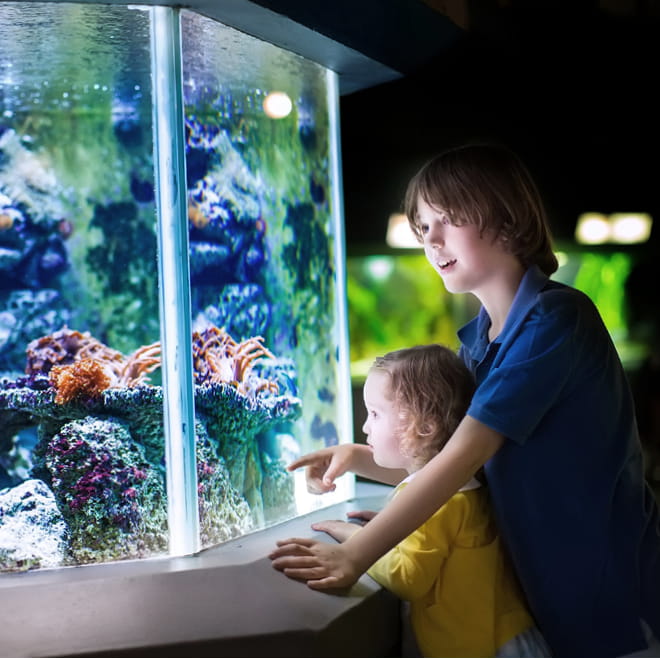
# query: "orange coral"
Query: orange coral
79,365
196,216
218,358
85,378
67,347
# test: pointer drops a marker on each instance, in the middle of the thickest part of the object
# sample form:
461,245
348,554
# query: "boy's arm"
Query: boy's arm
413,566
326,566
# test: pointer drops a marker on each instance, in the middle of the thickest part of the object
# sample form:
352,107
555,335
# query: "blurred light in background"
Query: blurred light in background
621,228
399,233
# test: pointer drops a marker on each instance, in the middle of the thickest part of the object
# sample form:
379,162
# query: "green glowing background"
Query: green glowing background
397,300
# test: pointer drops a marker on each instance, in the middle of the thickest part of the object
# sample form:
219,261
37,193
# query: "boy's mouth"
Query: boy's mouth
446,264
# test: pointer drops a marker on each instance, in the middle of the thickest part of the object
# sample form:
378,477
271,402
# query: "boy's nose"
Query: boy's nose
435,238
435,235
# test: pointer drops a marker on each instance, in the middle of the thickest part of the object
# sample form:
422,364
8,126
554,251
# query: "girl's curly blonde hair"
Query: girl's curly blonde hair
432,388
489,186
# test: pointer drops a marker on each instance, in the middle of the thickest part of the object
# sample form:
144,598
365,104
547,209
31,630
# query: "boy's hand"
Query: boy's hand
340,530
322,467
321,565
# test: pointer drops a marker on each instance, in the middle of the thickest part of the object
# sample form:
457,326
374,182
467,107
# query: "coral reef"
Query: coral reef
112,500
223,512
227,229
242,309
101,446
32,250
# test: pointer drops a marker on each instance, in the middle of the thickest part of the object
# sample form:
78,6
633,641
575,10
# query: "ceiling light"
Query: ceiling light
592,229
623,228
631,227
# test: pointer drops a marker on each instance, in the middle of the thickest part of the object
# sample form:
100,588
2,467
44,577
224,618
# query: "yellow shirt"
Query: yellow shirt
464,597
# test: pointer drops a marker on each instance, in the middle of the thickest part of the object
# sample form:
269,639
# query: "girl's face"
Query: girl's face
382,424
465,261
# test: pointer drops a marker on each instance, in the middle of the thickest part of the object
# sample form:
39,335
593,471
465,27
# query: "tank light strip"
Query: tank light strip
174,280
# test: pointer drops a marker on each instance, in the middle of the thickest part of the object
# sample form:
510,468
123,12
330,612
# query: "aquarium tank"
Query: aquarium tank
172,322
396,299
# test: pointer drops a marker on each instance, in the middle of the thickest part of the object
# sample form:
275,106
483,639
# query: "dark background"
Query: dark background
571,86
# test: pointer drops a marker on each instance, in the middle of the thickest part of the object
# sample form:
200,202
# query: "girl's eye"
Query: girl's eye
424,229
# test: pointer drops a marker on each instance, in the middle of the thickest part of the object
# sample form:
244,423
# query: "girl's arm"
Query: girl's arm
322,467
326,566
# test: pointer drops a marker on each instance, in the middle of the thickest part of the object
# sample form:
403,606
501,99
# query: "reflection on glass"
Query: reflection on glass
266,344
81,449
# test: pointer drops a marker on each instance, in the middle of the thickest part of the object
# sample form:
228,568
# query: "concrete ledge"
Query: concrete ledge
227,601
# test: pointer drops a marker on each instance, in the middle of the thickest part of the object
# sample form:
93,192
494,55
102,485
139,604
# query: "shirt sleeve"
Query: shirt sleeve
412,567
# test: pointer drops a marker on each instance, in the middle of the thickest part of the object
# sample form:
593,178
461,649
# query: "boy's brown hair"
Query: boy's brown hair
433,388
489,186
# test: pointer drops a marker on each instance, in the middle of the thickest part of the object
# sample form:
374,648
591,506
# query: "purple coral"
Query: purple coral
112,500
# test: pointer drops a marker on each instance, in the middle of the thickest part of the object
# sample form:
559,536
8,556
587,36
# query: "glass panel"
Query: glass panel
267,322
81,445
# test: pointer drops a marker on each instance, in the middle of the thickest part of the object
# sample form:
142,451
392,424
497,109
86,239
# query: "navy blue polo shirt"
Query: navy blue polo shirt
567,486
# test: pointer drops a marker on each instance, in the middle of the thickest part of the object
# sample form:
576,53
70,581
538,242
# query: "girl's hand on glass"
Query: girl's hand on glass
322,467
340,530
361,517
320,565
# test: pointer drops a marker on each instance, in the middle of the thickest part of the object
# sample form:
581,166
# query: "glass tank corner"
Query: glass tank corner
94,351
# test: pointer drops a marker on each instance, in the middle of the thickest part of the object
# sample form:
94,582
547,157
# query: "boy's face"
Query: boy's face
382,423
464,260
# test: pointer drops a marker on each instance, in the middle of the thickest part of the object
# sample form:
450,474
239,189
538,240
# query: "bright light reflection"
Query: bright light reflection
277,105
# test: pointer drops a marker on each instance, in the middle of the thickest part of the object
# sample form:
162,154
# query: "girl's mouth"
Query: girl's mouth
446,264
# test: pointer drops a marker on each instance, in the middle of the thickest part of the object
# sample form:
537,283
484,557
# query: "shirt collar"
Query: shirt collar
475,333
